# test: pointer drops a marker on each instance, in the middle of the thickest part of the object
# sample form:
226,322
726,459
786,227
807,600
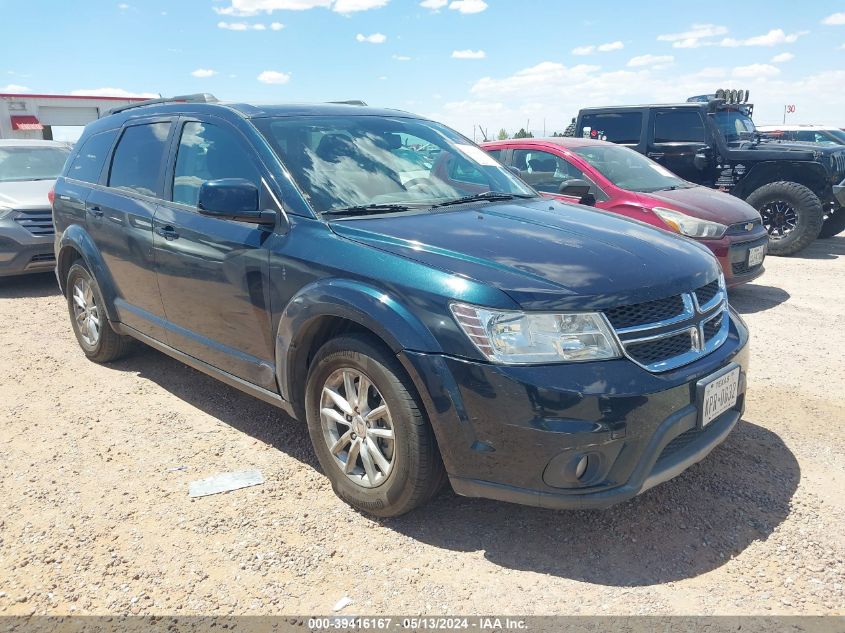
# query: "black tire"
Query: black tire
834,224
108,345
417,471
801,202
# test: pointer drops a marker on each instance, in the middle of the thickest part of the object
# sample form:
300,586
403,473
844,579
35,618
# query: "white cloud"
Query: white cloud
835,19
434,5
650,60
401,58
247,8
611,46
693,37
756,71
112,92
277,26
273,77
772,38
240,26
204,72
375,38
14,88
468,6
589,49
469,54
783,57
123,6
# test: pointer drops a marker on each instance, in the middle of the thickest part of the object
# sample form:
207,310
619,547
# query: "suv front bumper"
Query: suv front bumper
22,252
512,433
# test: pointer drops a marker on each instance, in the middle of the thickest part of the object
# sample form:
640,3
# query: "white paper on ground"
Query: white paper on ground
224,482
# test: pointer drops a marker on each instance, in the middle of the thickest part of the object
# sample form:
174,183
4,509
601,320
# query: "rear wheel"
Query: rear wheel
371,438
792,214
88,318
834,224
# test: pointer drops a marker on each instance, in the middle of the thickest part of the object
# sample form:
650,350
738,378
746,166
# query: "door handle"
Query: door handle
167,232
96,211
655,155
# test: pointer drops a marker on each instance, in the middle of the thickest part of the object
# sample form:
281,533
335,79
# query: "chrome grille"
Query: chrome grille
740,228
647,312
705,294
36,221
673,337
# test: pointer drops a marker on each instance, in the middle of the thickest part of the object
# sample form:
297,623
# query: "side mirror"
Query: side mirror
233,199
702,159
578,188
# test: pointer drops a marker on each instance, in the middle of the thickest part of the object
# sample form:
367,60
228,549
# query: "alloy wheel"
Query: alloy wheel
780,219
357,427
86,312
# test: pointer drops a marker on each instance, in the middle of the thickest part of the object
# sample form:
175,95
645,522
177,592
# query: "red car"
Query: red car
620,180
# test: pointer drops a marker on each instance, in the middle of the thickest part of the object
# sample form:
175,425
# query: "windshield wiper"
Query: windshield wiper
487,195
367,209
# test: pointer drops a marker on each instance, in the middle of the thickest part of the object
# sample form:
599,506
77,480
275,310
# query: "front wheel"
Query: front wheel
371,438
792,214
834,224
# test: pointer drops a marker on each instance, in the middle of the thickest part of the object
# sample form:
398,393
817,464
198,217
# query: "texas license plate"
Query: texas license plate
756,255
718,395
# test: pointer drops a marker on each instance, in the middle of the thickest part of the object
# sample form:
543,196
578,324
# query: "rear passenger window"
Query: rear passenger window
616,127
89,161
138,158
678,126
208,152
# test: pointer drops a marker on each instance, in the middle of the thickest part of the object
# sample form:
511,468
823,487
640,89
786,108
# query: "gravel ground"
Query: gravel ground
94,519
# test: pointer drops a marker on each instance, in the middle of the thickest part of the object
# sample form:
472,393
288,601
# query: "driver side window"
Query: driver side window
208,152
544,171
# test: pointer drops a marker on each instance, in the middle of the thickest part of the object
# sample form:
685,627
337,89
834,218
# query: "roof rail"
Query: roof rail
355,102
201,97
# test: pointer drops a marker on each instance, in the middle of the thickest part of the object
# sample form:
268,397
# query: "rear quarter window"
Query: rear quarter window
88,163
616,127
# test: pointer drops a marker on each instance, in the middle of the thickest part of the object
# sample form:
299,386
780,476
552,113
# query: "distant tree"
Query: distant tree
523,134
557,134
503,134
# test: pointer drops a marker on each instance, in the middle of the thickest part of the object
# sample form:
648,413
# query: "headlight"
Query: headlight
688,225
511,337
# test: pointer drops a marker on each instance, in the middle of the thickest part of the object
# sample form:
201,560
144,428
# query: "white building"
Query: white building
36,116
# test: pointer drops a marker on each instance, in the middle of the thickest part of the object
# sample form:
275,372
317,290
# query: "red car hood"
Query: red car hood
704,203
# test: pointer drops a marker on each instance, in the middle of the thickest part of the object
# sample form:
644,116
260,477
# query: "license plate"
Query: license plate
719,395
756,255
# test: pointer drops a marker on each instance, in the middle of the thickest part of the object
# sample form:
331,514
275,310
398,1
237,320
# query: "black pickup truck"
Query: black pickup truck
798,188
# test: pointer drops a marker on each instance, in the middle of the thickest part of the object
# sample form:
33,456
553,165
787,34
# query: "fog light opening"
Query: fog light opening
581,466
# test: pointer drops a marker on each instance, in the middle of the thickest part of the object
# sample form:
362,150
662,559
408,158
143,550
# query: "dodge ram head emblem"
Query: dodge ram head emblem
749,226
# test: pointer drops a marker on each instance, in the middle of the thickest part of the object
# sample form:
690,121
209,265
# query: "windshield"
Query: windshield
31,163
353,161
735,126
628,169
839,135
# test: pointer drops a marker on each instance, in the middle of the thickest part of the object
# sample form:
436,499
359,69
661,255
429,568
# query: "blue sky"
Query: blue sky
494,63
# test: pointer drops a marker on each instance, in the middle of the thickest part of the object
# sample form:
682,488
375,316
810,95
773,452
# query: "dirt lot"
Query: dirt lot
93,518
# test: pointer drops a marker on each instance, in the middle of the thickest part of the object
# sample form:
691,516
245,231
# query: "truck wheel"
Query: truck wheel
370,435
792,214
834,224
88,319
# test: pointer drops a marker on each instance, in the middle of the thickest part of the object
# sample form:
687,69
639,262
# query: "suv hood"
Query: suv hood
544,254
704,203
25,194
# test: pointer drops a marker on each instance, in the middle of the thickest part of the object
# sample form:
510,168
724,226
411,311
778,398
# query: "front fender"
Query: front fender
75,239
808,173
355,301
